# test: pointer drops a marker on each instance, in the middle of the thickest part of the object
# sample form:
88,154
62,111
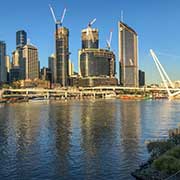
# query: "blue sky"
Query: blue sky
157,23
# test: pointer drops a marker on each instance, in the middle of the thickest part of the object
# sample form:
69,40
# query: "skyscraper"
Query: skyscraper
128,56
62,55
96,66
95,62
52,67
30,57
21,41
3,69
21,38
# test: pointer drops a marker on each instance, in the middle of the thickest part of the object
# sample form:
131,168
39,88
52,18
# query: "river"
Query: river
83,140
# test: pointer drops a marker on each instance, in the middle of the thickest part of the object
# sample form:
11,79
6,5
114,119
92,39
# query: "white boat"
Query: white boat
110,96
37,100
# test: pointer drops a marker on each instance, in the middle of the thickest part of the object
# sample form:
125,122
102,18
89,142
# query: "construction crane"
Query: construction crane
108,42
89,29
57,22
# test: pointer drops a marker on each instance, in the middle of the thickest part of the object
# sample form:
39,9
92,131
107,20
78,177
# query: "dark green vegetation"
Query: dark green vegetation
164,161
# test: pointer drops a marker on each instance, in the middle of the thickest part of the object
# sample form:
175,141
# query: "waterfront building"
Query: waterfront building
62,55
97,63
52,67
96,66
141,78
3,69
30,58
128,56
21,38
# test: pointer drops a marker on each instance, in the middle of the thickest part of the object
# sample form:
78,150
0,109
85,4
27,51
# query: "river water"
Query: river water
83,140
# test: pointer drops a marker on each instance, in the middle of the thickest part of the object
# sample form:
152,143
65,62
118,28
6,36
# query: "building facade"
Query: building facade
21,38
128,56
14,74
90,38
21,41
3,69
96,66
8,67
141,78
15,58
71,68
45,74
30,58
52,67
97,63
62,55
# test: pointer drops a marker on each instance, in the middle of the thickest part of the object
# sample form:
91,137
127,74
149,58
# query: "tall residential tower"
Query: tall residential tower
128,56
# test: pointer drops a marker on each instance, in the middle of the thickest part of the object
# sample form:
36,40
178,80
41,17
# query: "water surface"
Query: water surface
99,139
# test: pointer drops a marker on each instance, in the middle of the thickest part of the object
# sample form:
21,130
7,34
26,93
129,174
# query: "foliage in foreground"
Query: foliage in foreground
169,162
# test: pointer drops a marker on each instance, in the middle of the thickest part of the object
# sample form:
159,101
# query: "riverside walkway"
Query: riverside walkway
79,92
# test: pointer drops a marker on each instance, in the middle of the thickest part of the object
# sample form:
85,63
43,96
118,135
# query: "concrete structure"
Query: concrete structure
30,57
90,38
128,56
3,69
62,55
96,66
52,67
21,38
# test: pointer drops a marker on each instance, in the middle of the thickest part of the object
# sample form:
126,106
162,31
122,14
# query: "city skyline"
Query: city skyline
154,29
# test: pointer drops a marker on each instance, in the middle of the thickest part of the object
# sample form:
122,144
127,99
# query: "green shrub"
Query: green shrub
168,164
158,148
175,152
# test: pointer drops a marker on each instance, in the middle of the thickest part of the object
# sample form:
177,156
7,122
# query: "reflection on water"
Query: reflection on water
102,139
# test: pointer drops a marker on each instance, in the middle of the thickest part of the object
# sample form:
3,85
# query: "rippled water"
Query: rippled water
102,139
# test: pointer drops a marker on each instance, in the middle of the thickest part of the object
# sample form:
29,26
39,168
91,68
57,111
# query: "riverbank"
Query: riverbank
164,162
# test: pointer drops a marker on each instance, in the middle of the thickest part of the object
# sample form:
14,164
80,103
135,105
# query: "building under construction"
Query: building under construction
97,63
62,55
62,49
96,66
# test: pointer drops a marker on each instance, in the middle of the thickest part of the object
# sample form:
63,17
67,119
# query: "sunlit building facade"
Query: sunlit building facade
62,55
30,57
128,56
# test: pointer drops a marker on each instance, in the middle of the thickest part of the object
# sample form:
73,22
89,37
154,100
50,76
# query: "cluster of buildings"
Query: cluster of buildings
96,66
